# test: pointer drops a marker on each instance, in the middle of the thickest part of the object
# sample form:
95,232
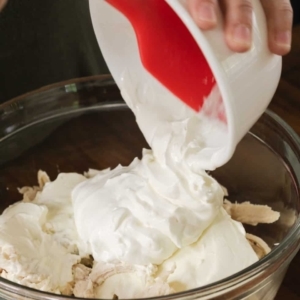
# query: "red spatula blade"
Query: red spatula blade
167,49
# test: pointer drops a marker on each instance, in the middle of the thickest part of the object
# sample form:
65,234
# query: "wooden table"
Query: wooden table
286,104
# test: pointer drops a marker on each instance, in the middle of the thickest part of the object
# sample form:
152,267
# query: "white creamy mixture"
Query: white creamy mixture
153,228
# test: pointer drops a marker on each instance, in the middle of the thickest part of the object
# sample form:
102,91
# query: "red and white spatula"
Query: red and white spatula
167,49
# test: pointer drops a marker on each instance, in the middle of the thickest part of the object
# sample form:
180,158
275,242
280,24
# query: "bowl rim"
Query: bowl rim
285,249
55,85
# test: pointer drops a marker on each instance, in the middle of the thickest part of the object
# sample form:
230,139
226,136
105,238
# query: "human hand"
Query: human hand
238,22
2,4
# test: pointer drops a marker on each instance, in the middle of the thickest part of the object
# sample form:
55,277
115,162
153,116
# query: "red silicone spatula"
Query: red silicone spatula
167,49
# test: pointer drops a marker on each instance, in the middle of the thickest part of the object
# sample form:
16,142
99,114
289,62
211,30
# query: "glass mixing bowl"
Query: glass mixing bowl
83,124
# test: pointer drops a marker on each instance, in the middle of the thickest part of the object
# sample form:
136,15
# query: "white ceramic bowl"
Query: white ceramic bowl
246,81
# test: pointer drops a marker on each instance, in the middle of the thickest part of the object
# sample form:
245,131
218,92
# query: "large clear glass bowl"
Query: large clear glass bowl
83,124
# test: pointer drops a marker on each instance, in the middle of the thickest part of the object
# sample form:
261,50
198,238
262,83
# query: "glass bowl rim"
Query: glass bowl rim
246,274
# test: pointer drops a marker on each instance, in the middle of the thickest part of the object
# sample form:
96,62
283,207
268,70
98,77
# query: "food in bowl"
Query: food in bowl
153,228
76,125
42,248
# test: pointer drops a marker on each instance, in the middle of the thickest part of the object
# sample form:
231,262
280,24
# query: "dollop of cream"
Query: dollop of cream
143,213
220,252
178,135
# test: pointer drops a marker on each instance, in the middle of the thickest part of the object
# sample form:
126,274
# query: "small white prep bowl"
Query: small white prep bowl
247,81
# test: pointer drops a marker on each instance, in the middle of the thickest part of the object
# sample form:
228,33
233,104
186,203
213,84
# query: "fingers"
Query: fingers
279,14
2,4
238,20
238,24
203,12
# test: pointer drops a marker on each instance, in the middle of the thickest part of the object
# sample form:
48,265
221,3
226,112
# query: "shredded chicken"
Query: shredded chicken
259,245
84,286
251,214
29,193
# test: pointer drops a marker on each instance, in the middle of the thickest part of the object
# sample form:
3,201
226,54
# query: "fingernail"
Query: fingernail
283,39
206,13
242,35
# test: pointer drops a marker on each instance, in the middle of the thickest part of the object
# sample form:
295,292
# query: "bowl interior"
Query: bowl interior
71,128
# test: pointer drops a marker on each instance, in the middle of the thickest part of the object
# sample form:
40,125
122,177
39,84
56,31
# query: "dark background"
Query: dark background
296,7
47,41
